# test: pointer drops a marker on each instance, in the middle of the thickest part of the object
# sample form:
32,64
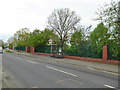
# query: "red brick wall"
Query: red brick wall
30,49
104,60
26,49
105,53
33,50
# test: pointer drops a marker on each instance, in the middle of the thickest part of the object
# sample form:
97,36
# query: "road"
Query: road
27,72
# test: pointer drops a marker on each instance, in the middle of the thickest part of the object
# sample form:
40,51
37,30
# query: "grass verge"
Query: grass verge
8,51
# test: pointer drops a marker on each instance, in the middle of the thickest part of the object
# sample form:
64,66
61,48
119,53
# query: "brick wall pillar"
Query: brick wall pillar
26,49
105,53
33,50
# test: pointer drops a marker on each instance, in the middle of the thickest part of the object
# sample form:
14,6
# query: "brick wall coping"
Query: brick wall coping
86,59
115,62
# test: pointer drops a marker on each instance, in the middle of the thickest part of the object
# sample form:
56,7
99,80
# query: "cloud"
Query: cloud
5,37
17,14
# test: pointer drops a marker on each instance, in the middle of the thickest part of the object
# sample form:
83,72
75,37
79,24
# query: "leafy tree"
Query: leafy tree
110,15
63,21
10,45
98,38
10,42
3,46
79,43
21,37
76,38
36,31
80,35
35,38
100,35
40,38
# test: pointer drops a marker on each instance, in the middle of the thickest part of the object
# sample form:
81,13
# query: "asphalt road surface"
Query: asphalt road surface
27,72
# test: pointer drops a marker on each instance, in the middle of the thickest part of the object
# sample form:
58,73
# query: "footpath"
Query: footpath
0,71
3,76
91,65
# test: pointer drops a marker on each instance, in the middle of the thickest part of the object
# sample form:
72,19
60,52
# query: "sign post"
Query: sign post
50,42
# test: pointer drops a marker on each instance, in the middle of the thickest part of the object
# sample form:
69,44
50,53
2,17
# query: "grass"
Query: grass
8,51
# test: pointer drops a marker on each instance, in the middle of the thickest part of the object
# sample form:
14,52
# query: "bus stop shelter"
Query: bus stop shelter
56,50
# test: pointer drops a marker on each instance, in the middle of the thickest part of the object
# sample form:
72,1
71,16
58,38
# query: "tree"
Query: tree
80,35
79,42
98,38
41,38
76,38
21,37
110,15
100,35
35,38
63,21
10,42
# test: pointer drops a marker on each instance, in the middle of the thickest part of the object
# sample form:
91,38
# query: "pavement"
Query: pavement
3,75
91,65
36,71
0,71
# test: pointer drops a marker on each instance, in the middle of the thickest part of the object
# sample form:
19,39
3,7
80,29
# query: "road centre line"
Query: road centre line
108,86
61,71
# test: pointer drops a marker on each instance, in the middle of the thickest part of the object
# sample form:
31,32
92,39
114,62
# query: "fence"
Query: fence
84,50
42,49
22,48
113,52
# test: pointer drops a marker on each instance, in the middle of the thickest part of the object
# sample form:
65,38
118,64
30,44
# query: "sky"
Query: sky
18,14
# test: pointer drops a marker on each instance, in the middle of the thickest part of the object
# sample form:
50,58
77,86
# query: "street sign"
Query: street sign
50,41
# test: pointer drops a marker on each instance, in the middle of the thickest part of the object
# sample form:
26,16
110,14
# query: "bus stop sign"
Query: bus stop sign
50,41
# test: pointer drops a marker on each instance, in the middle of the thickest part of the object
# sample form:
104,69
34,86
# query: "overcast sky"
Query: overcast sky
18,14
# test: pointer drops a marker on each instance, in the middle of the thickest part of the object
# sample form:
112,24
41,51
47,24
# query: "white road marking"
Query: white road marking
61,81
91,68
103,71
62,71
111,73
35,87
108,86
33,62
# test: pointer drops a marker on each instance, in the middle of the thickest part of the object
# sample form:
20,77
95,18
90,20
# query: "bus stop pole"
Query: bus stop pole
51,50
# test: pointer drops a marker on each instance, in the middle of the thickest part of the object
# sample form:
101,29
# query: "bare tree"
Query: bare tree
63,21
